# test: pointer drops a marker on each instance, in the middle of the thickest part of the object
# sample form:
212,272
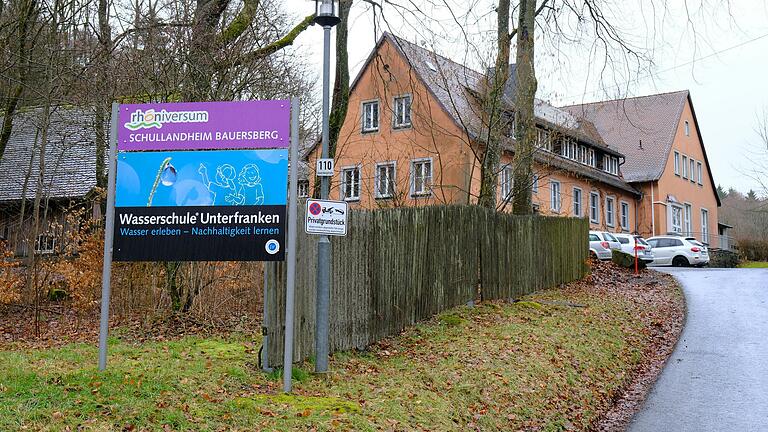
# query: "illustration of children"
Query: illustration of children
223,190
251,190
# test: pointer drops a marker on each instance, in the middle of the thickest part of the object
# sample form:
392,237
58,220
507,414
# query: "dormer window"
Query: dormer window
543,139
570,149
583,154
591,159
611,164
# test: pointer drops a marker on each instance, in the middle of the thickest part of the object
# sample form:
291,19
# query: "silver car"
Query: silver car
629,242
601,244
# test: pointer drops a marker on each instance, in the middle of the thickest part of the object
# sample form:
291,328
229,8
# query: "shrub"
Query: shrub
753,250
625,260
723,259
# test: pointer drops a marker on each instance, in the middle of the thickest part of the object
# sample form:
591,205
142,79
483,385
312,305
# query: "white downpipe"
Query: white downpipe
653,213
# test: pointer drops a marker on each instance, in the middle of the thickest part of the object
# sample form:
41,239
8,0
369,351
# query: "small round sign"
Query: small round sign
315,208
272,246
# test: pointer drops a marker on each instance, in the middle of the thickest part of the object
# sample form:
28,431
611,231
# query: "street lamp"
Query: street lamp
327,12
326,15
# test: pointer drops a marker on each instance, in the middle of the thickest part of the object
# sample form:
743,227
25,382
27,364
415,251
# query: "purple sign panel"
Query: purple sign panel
204,125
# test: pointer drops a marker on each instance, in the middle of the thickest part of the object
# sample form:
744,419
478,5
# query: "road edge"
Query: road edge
631,398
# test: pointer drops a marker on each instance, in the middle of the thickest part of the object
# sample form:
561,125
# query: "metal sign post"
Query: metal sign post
292,222
109,231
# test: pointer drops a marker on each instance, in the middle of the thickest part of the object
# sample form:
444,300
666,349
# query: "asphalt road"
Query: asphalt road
717,377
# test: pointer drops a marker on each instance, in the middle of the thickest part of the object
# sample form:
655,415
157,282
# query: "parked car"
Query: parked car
601,243
630,241
678,251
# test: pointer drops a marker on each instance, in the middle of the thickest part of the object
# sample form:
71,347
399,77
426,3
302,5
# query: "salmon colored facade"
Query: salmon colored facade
682,201
430,158
431,137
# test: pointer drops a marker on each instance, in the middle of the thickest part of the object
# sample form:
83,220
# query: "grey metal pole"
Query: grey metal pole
292,223
265,323
109,228
323,291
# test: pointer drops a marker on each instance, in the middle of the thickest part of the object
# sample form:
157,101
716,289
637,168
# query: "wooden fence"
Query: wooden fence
397,267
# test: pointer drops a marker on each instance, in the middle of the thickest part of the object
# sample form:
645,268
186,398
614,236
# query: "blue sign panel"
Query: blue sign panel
202,178
216,205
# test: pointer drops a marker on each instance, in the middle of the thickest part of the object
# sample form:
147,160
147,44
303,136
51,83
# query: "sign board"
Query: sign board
204,125
326,217
324,167
189,199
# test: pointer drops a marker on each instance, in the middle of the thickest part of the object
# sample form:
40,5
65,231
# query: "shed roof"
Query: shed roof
70,155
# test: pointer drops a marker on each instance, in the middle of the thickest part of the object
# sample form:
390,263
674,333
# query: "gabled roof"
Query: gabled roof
70,156
456,89
456,86
651,120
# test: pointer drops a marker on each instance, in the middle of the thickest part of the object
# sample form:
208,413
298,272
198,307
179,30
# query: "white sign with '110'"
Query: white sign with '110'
324,167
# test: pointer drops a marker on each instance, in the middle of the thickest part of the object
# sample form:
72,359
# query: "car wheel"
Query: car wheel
680,261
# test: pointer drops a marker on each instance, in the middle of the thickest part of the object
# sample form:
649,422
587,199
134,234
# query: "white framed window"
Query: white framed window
687,215
692,170
624,216
705,226
570,149
687,128
350,183
543,139
685,167
401,117
506,182
583,154
555,198
370,120
45,244
594,207
384,180
303,189
611,164
610,211
535,184
676,218
421,177
677,163
577,202
698,172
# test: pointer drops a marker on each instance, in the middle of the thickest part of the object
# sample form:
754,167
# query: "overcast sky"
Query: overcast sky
719,52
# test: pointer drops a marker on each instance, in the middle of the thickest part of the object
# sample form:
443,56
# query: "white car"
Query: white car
601,243
630,241
678,251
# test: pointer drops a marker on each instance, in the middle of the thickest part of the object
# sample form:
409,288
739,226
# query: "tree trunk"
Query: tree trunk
104,97
489,169
33,284
28,12
525,130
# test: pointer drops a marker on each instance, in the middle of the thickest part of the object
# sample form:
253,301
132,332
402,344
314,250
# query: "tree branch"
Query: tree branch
538,11
279,44
241,22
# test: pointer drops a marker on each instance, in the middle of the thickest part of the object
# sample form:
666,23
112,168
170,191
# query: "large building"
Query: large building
665,160
414,130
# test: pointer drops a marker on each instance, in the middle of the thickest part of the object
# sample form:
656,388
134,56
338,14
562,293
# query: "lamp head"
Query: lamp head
327,12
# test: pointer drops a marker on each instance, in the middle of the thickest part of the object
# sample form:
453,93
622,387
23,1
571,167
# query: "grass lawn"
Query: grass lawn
754,264
539,364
